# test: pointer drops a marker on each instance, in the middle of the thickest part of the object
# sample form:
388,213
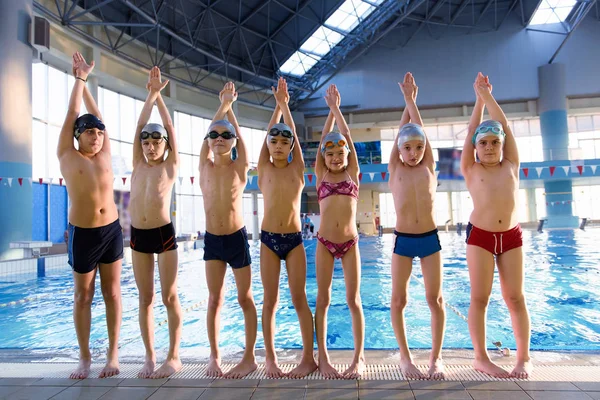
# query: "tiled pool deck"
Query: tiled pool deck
560,376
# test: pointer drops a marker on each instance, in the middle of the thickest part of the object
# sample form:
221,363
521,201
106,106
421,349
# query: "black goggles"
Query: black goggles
152,135
225,135
285,133
89,125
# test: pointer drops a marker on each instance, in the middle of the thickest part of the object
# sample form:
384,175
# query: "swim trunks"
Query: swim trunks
153,241
281,243
88,247
417,244
495,242
233,248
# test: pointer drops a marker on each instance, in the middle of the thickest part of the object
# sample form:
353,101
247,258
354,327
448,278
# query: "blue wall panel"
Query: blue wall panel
39,219
58,213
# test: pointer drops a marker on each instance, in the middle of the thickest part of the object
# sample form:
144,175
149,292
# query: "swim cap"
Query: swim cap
224,124
410,132
334,139
488,128
151,128
87,121
283,130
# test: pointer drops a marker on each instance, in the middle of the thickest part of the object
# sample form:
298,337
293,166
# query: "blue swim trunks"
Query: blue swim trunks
417,244
281,243
232,248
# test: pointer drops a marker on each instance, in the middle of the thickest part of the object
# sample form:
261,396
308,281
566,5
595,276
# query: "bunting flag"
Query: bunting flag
566,168
20,181
192,179
580,169
180,178
437,173
50,180
383,176
310,178
124,179
552,171
60,181
526,172
593,167
250,179
360,177
9,180
40,180
30,181
539,171
372,176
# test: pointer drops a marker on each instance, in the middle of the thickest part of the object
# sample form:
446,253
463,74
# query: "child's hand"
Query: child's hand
281,93
482,85
332,97
408,87
81,68
228,94
155,81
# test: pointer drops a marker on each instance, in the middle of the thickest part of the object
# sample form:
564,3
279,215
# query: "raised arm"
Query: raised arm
81,70
395,156
282,96
331,99
467,158
264,157
510,152
205,152
320,162
138,153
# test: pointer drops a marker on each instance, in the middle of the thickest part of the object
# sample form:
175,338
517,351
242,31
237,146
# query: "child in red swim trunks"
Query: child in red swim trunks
493,230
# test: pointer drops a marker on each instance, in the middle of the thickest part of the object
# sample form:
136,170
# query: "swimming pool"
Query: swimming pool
562,286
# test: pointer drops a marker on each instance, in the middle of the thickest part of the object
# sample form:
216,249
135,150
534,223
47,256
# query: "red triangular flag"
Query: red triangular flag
20,181
60,181
360,177
526,172
552,170
41,180
580,169
310,178
192,179
124,179
383,176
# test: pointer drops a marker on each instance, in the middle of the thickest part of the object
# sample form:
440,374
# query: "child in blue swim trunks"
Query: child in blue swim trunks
413,185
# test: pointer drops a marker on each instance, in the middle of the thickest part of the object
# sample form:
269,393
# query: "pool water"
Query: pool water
562,288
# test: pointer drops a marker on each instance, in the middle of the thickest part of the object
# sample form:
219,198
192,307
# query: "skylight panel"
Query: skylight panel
552,11
298,64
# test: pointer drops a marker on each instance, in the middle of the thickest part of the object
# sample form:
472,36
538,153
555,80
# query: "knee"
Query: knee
111,294
270,304
215,301
170,300
146,299
323,300
299,300
354,303
435,302
515,302
83,298
399,303
246,301
480,302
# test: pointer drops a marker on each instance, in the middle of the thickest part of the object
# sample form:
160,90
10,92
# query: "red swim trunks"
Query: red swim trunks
495,242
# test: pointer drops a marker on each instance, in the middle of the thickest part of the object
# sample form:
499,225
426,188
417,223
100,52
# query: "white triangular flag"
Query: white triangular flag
50,180
30,181
539,171
566,168
593,167
180,180
372,176
9,180
250,179
437,173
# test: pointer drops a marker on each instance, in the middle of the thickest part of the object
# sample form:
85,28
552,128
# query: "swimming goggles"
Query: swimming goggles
285,133
153,135
331,143
484,129
225,135
84,126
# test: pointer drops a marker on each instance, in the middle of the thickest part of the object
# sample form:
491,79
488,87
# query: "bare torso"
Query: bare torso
413,189
281,189
151,188
222,189
89,182
494,191
338,213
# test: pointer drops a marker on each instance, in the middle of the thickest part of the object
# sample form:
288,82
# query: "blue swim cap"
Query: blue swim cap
85,122
410,132
488,128
224,124
334,139
152,128
283,130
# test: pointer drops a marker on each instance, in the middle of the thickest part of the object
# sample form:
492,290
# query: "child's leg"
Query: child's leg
296,269
215,275
324,279
481,276
510,268
243,282
110,282
401,269
143,271
270,267
85,285
432,275
351,265
167,267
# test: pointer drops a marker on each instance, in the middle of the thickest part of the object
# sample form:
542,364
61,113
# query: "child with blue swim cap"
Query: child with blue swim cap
413,185
493,234
281,180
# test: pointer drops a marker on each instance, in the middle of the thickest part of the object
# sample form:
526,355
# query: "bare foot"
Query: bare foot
167,369
110,369
273,370
147,369
410,370
327,370
436,369
214,368
488,367
357,368
303,369
242,369
522,370
83,369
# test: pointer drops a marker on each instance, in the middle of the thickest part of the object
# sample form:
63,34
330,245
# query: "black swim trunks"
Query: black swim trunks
233,248
281,243
153,241
88,247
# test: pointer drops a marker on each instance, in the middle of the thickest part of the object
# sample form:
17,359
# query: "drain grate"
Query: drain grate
547,373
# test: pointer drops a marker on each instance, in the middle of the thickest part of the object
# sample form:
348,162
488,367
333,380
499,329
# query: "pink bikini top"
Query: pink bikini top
343,188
